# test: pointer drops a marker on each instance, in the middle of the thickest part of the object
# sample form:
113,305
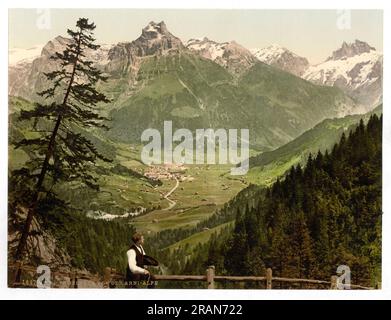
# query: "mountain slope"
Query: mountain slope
316,219
196,93
266,167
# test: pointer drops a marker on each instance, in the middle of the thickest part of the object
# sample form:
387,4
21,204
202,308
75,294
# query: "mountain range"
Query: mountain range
356,68
204,84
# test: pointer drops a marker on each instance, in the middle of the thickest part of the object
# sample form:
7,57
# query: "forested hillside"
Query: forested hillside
319,217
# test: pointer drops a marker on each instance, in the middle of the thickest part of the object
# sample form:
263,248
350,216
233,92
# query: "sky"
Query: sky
313,34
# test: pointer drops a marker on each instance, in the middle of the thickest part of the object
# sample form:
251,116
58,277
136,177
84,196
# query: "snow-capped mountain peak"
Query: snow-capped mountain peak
230,55
356,68
282,58
207,48
269,53
155,30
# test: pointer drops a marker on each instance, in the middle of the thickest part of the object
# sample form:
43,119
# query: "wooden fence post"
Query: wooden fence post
334,280
269,275
210,274
75,285
107,277
112,283
18,272
73,280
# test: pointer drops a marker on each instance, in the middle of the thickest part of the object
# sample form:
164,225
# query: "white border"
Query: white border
182,294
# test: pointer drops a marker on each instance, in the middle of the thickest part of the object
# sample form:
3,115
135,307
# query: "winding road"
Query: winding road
172,202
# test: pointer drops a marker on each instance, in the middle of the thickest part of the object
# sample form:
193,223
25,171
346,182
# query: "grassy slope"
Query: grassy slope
265,167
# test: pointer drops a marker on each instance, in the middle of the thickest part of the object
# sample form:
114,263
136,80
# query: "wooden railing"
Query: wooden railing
111,277
211,278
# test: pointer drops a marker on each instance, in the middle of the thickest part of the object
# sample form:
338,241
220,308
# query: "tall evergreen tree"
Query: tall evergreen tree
61,152
238,248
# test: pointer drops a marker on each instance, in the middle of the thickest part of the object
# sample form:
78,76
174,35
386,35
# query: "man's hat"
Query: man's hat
149,261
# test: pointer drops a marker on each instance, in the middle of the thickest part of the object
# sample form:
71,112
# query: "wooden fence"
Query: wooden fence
111,276
211,278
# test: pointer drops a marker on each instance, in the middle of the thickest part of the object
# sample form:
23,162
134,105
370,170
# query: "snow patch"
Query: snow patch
208,48
330,71
271,53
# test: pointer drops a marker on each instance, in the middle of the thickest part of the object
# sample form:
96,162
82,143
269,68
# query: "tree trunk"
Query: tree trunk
49,153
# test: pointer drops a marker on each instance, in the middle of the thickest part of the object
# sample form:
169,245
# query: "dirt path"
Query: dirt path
172,202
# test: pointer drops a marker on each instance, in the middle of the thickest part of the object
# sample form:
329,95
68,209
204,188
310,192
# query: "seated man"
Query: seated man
135,272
